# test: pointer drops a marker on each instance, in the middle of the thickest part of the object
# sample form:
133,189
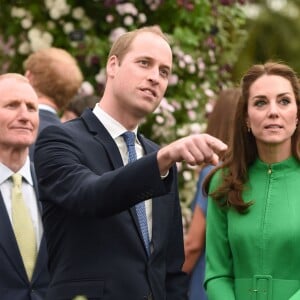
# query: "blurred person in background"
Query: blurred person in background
85,98
56,78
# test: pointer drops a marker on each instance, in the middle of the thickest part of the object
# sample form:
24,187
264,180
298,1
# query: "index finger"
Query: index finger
215,144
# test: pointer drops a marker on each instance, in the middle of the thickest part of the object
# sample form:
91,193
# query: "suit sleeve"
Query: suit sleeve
67,176
219,271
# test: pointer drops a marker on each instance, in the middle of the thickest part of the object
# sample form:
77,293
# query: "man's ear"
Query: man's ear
112,66
28,75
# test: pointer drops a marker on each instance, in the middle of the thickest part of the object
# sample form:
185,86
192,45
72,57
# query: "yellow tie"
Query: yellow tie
23,226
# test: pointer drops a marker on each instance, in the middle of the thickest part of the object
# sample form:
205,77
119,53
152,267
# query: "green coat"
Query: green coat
256,256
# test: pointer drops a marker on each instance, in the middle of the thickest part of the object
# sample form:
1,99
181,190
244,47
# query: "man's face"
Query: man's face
141,78
19,118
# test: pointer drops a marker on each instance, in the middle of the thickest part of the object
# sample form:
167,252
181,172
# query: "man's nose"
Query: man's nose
23,112
153,75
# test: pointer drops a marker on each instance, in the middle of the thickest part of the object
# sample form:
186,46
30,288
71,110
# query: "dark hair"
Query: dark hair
80,102
243,150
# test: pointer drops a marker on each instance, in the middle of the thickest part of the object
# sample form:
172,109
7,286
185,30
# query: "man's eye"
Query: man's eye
164,73
144,62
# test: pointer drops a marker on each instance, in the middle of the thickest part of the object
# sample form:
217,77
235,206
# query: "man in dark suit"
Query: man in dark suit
23,254
102,242
56,78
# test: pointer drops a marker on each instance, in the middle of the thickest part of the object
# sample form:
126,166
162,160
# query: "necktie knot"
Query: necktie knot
17,180
129,138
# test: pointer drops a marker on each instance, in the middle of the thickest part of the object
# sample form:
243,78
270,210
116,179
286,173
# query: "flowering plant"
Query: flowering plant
205,37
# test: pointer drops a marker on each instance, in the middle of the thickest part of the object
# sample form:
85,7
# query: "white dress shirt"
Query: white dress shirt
28,194
116,130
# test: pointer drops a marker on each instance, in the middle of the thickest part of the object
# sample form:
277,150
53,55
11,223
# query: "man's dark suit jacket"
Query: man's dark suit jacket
46,118
14,283
94,242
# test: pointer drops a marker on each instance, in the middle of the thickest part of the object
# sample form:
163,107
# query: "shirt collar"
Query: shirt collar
6,172
48,108
114,128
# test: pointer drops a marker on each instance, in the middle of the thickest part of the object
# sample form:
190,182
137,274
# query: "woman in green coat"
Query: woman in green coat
253,219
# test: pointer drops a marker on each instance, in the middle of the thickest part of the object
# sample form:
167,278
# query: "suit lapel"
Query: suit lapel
42,257
102,136
8,241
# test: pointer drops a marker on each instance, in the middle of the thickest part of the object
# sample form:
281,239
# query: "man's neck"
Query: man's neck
14,159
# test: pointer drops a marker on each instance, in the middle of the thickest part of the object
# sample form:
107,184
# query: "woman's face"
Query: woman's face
272,112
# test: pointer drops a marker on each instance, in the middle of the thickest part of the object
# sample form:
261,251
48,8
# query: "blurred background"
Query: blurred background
213,41
273,28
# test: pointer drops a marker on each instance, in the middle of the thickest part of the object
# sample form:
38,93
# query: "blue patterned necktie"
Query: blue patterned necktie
129,138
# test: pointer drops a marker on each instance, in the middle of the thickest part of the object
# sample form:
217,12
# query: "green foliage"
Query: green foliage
205,36
273,32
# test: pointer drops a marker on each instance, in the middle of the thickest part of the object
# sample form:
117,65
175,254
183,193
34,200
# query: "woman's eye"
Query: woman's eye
259,103
285,101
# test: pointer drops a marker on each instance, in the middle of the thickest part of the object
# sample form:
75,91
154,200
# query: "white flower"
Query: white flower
26,23
173,79
57,8
128,20
191,69
192,115
101,76
188,58
34,33
187,175
24,48
47,38
39,40
68,27
54,14
86,23
38,44
109,18
86,88
181,64
159,119
78,13
197,128
49,3
209,92
18,12
126,8
116,33
142,18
